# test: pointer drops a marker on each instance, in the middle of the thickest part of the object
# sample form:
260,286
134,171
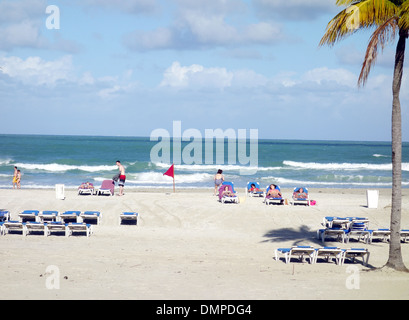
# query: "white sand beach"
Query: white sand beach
187,245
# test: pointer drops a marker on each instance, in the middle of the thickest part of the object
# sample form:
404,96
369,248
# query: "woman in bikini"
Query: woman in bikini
218,180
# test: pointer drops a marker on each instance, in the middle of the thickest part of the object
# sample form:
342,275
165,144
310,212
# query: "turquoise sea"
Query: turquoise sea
70,160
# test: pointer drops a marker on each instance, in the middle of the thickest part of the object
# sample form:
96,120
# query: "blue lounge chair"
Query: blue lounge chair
223,198
383,234
13,225
254,193
4,216
91,215
72,227
128,218
273,200
69,216
28,215
54,226
301,198
48,216
32,226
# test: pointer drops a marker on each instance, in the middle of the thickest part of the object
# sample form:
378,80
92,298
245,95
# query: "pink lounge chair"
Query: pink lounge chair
107,188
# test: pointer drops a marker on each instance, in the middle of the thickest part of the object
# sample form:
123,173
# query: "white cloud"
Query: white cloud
203,24
195,75
339,76
36,71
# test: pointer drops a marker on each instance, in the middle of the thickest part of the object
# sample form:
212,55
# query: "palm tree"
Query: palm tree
389,18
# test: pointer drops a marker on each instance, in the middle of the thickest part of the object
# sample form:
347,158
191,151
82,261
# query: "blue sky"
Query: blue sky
130,67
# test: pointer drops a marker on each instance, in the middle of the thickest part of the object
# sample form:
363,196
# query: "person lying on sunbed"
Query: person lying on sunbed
273,192
300,194
227,192
253,188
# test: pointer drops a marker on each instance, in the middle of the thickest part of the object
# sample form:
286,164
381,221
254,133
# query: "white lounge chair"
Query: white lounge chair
72,227
298,197
91,215
69,216
233,198
129,218
107,188
12,225
254,193
354,253
329,253
296,251
48,216
359,228
272,200
383,234
55,227
28,215
404,234
339,233
31,226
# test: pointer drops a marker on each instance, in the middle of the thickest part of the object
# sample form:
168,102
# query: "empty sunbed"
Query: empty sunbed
329,253
382,234
74,227
28,215
48,216
107,188
55,227
69,216
12,225
354,253
300,252
91,216
32,226
128,218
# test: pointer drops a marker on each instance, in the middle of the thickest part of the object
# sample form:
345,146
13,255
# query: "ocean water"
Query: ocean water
70,160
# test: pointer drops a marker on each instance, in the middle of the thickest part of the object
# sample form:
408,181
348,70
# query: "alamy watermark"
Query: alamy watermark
52,280
214,140
353,281
53,19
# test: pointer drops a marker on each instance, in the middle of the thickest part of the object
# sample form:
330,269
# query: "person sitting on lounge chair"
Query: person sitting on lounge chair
253,188
300,194
227,192
273,192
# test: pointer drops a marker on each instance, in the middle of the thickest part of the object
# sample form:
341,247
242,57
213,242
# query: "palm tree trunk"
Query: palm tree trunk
395,260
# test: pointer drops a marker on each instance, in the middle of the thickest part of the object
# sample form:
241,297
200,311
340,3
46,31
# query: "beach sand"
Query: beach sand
187,245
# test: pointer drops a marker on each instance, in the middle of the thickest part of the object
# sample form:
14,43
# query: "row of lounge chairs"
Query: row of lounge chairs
326,253
344,228
228,194
49,222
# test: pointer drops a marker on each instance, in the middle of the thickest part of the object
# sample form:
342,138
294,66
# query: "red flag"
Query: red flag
170,172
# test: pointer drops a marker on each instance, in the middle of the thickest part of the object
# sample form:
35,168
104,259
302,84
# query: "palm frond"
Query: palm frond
384,34
359,14
404,15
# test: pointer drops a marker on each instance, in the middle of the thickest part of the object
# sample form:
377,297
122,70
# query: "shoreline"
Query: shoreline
189,246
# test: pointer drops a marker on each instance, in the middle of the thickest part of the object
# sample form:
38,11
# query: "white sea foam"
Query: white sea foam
55,167
343,166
